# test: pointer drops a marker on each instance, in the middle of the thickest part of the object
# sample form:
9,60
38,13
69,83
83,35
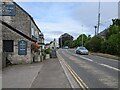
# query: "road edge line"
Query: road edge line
65,72
75,76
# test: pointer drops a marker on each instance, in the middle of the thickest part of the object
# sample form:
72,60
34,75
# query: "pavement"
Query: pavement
0,79
47,74
20,76
106,56
51,76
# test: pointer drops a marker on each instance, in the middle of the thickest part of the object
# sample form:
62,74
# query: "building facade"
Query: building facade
17,29
63,38
0,45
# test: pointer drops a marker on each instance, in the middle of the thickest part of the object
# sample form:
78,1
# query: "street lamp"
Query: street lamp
95,29
61,41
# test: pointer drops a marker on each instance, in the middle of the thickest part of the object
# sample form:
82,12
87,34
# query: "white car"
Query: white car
66,47
81,50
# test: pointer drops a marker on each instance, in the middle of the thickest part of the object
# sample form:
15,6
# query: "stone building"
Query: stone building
19,27
53,44
0,46
63,38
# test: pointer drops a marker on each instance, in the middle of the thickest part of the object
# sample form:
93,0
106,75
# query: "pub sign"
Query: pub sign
22,47
7,10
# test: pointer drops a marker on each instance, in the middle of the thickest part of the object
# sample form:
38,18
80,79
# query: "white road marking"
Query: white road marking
96,62
65,70
87,59
108,59
105,58
82,57
77,78
109,67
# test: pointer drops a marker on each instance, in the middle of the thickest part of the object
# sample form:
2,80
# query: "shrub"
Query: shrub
47,51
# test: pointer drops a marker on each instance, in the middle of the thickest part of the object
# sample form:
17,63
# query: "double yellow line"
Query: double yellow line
75,76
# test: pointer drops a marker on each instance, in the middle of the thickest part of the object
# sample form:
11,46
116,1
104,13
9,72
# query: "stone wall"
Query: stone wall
0,46
13,56
21,21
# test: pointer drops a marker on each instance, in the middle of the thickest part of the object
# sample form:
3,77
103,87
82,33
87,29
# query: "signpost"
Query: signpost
22,47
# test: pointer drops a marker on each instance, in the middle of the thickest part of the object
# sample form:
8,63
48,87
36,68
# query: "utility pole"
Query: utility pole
82,35
98,27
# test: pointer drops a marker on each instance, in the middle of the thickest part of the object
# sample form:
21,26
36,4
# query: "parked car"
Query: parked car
81,50
66,47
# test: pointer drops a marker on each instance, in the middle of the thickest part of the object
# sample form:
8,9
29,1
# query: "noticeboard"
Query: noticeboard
22,47
7,10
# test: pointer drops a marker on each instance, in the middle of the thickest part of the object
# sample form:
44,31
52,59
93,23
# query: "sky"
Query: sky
74,18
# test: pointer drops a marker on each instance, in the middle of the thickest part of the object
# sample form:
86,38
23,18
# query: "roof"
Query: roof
66,35
103,33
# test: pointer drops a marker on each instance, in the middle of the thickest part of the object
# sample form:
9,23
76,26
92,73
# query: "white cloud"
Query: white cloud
69,26
69,18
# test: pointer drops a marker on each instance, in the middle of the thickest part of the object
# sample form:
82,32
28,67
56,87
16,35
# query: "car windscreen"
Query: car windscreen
82,48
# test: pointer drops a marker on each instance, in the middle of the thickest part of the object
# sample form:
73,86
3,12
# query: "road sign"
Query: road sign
22,47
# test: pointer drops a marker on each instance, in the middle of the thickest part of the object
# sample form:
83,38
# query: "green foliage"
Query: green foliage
94,44
47,51
113,44
68,43
73,44
113,30
116,22
79,40
110,44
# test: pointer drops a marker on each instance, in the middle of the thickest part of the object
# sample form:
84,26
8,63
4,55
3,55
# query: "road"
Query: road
95,71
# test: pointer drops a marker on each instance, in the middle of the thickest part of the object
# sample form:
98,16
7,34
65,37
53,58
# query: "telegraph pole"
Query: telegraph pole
82,35
98,27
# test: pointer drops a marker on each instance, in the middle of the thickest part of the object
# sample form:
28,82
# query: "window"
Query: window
32,31
8,45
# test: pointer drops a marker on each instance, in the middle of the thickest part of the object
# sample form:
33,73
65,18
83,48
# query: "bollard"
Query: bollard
53,53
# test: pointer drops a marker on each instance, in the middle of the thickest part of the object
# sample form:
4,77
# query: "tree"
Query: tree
94,44
110,44
116,22
79,39
68,43
113,46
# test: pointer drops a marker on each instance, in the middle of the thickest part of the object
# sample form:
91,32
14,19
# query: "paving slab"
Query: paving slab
20,76
0,79
51,76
